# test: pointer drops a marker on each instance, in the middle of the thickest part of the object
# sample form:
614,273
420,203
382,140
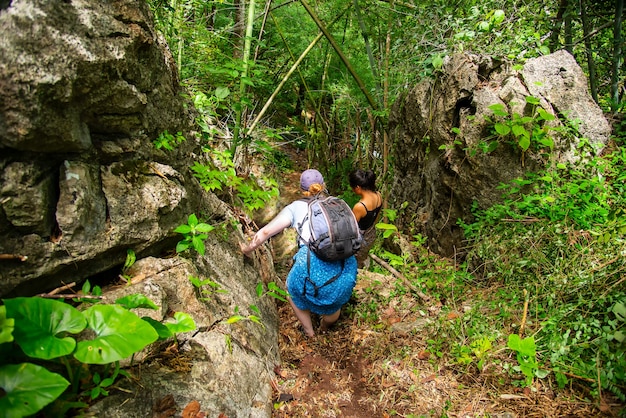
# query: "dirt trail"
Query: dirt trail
376,361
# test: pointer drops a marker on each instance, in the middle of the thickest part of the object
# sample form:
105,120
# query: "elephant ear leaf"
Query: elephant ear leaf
6,326
118,334
28,388
41,326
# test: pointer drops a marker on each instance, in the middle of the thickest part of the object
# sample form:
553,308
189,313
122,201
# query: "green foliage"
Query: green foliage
577,192
526,358
562,232
206,287
253,317
523,130
222,176
131,257
87,289
194,235
273,290
28,388
45,331
7,326
100,384
168,141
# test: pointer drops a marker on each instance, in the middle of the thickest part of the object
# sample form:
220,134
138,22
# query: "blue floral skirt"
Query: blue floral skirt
307,291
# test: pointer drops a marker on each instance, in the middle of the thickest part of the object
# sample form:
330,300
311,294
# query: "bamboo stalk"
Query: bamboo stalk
523,323
342,56
282,82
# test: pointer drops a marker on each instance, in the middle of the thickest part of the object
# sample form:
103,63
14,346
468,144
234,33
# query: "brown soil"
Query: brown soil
365,368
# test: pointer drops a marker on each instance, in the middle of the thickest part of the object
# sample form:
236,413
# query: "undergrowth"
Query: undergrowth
563,245
542,291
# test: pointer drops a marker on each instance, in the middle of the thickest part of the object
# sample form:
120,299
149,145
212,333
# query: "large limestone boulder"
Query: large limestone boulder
85,88
441,132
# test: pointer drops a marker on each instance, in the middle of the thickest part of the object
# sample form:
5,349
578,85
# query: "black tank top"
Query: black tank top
370,217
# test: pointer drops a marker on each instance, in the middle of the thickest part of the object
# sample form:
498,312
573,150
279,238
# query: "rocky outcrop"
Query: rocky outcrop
225,368
444,140
85,88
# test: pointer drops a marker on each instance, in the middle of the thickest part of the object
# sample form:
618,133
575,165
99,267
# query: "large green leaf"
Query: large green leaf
524,346
28,389
163,331
40,325
182,322
6,326
136,301
119,334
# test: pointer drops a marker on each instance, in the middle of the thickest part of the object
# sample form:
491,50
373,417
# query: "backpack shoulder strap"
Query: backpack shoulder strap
309,200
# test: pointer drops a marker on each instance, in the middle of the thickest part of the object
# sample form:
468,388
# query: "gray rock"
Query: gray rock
442,174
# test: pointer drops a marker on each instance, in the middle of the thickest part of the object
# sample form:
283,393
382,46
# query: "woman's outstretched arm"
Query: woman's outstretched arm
276,225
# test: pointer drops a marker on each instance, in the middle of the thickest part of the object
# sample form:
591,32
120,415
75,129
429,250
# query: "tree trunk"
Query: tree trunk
386,89
241,112
617,54
556,26
368,46
569,37
591,65
339,52
240,23
266,13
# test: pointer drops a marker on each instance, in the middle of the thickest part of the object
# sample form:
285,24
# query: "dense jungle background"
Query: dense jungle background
525,317
542,284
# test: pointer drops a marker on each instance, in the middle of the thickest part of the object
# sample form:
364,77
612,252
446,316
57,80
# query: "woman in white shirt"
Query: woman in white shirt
306,281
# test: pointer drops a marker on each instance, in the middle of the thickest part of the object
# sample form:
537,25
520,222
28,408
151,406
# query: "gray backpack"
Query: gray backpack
335,234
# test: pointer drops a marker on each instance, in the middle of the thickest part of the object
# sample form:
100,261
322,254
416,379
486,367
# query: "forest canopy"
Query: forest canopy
340,65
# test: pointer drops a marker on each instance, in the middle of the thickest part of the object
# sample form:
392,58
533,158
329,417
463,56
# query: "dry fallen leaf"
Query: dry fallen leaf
423,355
191,410
452,315
429,378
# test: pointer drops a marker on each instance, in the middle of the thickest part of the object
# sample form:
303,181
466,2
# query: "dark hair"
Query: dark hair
365,179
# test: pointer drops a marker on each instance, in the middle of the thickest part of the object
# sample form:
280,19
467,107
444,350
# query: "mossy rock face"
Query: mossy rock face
81,178
90,86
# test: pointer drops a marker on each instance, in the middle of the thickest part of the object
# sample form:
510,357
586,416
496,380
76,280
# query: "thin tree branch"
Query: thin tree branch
397,274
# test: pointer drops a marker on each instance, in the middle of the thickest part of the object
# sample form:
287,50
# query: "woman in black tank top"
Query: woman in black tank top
367,209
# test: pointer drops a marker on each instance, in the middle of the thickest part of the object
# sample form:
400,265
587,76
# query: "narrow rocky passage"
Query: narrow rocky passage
377,361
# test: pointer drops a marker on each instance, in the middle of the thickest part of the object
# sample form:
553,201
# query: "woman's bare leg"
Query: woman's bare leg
328,320
305,319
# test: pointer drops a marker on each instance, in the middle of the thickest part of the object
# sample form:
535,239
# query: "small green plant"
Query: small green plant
194,235
254,317
100,384
43,330
526,358
88,290
128,263
254,197
524,130
222,176
168,141
476,352
388,229
393,259
273,290
206,287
